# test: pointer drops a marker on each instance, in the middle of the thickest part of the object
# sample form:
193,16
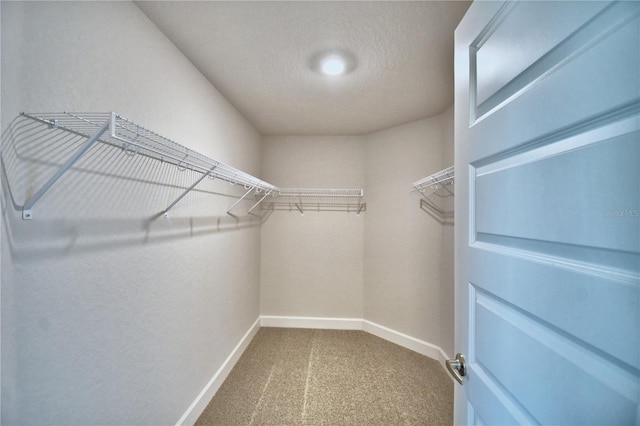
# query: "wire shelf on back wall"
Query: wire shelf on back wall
313,199
116,131
438,191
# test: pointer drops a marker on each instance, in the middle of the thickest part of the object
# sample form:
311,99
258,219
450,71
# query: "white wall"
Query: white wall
312,265
110,314
390,265
113,315
403,244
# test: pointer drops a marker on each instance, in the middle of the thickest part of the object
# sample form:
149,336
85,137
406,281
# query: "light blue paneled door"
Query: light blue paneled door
547,213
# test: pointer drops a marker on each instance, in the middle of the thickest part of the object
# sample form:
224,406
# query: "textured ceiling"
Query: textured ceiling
257,54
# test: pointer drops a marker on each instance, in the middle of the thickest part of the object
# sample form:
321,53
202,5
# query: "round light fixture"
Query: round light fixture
333,65
333,62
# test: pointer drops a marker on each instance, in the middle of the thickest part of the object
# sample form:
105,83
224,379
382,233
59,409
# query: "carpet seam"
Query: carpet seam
264,390
306,386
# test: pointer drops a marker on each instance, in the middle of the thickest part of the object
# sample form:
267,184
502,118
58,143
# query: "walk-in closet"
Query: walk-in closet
236,212
161,212
319,212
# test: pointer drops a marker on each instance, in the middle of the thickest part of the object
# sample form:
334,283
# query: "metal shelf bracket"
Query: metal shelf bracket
249,191
204,175
27,213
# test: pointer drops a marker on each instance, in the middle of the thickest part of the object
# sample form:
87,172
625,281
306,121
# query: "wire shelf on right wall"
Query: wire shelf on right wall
438,191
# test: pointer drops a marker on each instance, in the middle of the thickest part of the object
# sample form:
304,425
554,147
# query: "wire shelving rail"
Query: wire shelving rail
315,199
113,129
438,191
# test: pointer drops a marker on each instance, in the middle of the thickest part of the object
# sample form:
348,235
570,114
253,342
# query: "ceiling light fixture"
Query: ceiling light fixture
333,62
333,65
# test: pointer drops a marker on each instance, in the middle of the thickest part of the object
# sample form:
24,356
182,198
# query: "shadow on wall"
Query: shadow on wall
110,197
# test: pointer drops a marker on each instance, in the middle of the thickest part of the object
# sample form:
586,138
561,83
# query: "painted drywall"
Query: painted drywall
403,245
113,315
110,313
312,265
389,265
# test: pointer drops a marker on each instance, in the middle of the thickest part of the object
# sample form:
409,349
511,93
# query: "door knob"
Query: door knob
457,367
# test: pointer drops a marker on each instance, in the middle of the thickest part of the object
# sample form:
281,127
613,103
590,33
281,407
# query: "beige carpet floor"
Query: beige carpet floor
330,377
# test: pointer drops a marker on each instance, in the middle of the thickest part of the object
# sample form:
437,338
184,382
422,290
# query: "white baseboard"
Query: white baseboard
202,400
404,340
311,322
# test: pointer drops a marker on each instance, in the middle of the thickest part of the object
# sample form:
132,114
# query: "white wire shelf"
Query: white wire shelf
438,192
314,199
113,129
135,139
